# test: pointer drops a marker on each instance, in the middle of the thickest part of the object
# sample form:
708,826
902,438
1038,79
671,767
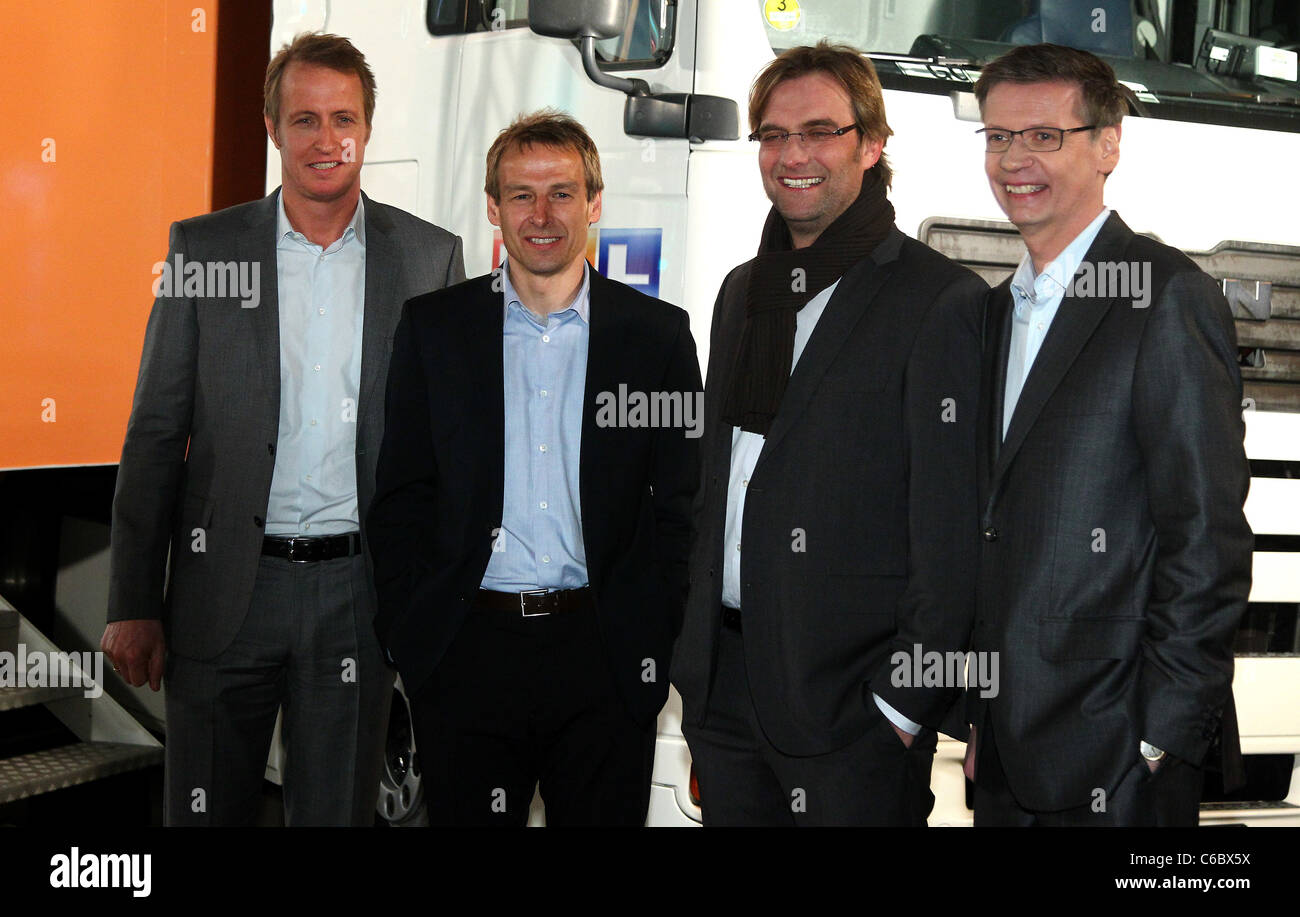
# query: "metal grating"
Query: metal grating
1261,282
13,698
57,768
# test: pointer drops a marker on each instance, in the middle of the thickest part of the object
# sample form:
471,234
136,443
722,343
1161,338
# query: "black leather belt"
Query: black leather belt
536,602
731,618
305,550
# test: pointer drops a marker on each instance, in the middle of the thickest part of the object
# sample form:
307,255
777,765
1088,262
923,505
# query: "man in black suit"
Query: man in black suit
1115,558
853,476
530,600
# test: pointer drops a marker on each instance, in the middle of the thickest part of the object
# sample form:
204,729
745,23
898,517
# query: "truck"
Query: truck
662,86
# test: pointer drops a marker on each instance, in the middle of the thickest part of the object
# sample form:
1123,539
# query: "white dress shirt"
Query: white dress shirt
321,296
1036,301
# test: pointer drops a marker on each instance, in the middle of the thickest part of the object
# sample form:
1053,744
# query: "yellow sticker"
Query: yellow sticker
781,14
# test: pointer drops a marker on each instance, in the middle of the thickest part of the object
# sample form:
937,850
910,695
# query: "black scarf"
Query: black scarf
773,297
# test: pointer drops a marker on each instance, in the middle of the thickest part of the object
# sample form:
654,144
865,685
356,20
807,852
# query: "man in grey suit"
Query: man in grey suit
1115,559
840,434
251,452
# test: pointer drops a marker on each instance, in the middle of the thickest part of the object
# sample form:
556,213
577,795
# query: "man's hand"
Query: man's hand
968,766
135,650
903,734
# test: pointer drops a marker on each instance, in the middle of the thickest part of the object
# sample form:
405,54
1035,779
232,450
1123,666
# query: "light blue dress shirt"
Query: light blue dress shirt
745,450
321,300
1035,303
540,542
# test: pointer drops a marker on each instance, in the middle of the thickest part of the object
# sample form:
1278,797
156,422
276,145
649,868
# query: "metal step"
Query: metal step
69,765
13,698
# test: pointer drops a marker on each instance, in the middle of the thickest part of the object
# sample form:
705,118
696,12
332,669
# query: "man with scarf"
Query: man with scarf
840,412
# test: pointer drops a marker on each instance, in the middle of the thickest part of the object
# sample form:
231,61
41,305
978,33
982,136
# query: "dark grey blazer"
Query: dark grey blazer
200,443
866,469
1115,556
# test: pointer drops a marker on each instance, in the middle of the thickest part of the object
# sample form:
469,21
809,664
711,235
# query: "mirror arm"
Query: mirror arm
631,87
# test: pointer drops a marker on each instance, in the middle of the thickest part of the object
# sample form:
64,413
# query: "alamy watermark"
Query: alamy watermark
179,277
953,669
682,410
40,669
1113,280
103,870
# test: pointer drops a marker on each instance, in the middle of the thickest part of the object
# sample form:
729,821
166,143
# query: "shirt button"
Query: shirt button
542,504
307,526
546,339
316,367
546,558
745,483
544,393
737,545
542,447
309,477
321,311
313,422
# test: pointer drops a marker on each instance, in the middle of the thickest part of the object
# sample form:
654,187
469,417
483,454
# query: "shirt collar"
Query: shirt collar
356,226
581,303
1056,276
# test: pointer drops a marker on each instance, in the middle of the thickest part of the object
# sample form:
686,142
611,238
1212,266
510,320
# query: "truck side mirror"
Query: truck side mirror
596,19
645,114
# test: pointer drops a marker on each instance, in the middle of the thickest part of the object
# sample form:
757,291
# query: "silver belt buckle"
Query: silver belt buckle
296,543
523,608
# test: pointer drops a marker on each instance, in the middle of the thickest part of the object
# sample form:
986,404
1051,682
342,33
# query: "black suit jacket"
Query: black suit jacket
868,459
440,482
1115,560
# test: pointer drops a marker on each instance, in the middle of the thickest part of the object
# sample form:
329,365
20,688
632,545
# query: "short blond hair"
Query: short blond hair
322,50
548,127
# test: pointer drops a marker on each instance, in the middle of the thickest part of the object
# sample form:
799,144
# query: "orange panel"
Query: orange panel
112,142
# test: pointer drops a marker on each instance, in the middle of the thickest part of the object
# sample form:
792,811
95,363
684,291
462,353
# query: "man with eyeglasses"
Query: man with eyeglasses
840,413
1115,559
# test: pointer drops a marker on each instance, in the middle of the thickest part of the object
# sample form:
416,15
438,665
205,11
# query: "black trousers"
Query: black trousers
519,703
745,781
1168,798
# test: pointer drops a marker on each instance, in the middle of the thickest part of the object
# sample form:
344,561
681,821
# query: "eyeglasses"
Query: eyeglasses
816,136
1037,139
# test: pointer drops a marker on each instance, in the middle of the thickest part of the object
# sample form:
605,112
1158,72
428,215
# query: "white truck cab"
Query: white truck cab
663,91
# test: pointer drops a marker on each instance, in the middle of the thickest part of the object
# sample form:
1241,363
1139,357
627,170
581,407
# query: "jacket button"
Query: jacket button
990,534
270,448
258,521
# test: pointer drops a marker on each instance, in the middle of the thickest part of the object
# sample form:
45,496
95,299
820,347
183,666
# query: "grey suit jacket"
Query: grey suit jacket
1115,557
859,517
200,443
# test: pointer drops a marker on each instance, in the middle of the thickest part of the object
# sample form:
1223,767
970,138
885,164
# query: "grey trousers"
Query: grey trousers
307,645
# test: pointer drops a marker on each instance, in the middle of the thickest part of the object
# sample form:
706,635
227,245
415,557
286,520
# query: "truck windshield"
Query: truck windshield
1228,61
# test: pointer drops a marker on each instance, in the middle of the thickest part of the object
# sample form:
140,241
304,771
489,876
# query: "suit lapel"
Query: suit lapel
1074,324
480,359
257,246
377,320
606,342
994,382
850,301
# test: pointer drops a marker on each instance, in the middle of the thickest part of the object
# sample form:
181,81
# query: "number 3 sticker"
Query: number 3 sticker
781,14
